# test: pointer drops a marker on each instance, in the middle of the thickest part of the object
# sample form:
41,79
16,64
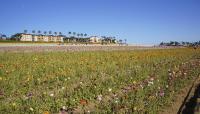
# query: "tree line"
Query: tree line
176,43
71,36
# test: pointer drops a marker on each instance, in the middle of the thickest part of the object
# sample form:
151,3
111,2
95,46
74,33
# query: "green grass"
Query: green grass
126,81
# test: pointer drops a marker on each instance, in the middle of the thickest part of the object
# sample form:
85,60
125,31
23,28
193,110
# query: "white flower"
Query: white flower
68,78
51,94
141,86
109,89
63,107
152,79
81,82
167,86
63,87
31,108
150,83
99,97
116,101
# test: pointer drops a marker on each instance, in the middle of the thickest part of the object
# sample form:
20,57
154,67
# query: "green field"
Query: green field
140,81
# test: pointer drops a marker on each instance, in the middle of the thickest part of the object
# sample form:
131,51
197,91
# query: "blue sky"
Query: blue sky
138,21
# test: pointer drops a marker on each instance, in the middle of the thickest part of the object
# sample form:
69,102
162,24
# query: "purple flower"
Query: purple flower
161,93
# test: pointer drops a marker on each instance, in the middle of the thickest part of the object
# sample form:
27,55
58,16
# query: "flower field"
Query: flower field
139,81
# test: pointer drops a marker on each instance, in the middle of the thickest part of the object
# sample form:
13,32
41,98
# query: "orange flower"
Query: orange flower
1,65
83,101
46,112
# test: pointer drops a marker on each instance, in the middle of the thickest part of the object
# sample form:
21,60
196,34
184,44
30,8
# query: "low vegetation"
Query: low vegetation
137,81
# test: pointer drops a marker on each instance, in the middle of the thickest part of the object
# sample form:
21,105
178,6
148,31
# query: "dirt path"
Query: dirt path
41,48
192,103
185,102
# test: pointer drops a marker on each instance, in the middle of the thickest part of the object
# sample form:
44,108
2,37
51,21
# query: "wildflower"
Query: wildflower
152,79
135,108
68,78
64,107
116,101
44,93
88,111
13,104
161,93
81,82
51,94
31,109
174,72
83,101
109,89
1,65
25,97
63,88
46,112
99,97
150,83
141,86
62,111
134,82
167,86
1,78
29,95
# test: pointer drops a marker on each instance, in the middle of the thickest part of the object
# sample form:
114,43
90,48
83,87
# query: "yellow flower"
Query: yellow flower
135,108
134,82
1,78
13,104
31,108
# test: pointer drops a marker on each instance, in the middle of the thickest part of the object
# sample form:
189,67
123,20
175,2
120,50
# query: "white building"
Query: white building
95,39
40,38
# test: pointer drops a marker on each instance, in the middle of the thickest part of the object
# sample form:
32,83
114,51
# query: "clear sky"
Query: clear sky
138,21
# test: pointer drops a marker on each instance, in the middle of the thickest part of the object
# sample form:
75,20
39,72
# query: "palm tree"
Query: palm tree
39,31
45,32
25,31
85,35
120,42
74,33
55,33
60,33
69,33
78,34
81,35
33,31
50,32
125,41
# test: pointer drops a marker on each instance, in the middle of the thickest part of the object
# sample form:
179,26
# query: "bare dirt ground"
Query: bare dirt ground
41,48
